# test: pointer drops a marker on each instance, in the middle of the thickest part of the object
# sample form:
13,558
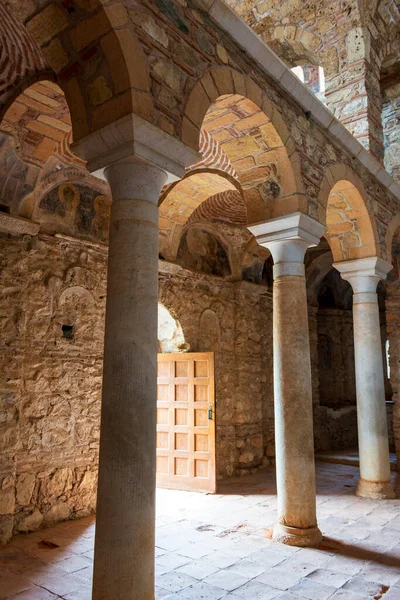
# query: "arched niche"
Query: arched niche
201,250
209,332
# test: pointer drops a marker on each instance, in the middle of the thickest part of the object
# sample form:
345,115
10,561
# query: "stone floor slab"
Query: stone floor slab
216,546
256,591
226,580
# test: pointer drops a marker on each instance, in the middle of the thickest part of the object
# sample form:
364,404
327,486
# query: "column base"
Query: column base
294,536
377,490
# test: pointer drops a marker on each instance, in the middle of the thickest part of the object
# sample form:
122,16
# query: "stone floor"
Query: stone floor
214,546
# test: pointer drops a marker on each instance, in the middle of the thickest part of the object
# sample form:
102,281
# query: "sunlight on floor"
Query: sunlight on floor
215,546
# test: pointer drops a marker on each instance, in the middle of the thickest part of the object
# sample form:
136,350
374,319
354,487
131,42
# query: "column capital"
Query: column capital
132,136
364,274
131,177
287,238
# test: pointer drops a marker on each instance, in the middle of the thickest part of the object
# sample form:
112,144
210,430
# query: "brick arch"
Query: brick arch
178,202
94,39
21,60
271,177
393,230
212,155
346,211
39,121
227,206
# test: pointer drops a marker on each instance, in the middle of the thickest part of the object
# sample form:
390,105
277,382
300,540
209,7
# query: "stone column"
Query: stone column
136,158
364,274
288,238
125,522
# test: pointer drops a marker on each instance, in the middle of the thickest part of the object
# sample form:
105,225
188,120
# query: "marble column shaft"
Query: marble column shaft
364,275
125,526
288,238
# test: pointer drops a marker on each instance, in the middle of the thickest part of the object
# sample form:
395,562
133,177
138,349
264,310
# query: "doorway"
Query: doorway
186,421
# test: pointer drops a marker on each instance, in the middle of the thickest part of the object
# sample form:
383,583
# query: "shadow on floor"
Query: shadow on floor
347,550
342,481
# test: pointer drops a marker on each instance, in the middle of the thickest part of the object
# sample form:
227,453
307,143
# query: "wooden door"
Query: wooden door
186,421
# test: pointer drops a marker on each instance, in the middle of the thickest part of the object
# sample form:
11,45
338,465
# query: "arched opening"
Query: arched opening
257,153
332,353
252,133
169,332
313,77
345,209
189,199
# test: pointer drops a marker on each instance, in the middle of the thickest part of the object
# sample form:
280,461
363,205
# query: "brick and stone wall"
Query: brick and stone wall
391,130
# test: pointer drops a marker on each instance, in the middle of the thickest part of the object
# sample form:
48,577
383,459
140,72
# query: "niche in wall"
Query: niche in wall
199,250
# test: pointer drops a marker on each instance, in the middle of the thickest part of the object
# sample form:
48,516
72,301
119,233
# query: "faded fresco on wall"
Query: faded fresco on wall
84,211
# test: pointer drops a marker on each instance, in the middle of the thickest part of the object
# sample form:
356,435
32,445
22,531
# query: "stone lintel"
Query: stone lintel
133,136
15,225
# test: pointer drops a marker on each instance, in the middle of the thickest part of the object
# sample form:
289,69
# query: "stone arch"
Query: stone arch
97,33
169,332
345,209
223,87
295,44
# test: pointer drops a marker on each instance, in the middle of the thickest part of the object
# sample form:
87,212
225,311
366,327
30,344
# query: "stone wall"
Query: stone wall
335,415
332,35
52,303
391,130
52,310
337,386
235,321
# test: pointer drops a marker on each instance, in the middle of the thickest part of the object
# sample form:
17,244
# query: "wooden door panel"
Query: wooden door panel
185,431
